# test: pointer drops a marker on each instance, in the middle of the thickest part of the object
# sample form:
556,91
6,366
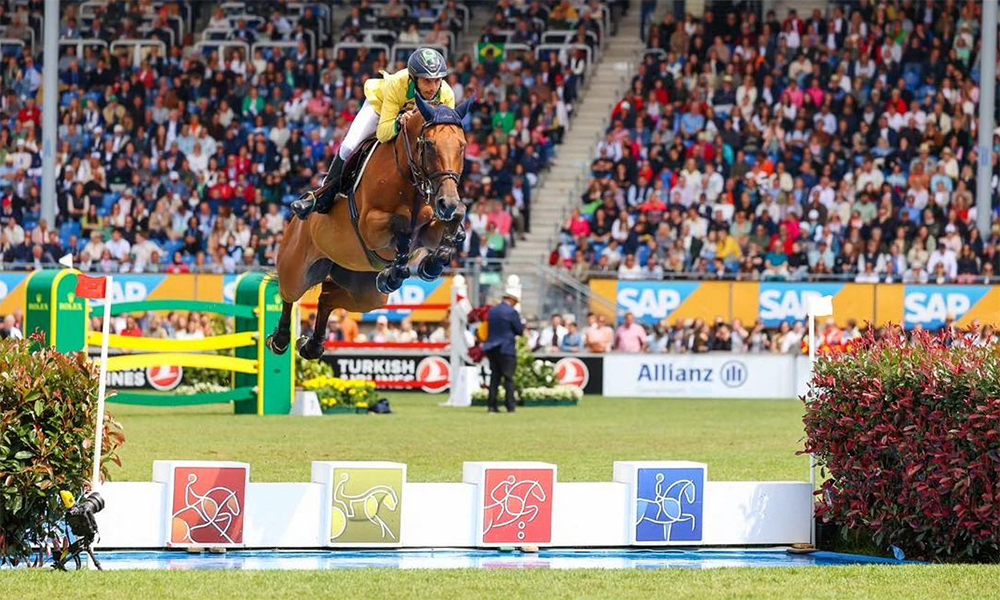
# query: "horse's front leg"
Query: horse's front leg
440,239
392,277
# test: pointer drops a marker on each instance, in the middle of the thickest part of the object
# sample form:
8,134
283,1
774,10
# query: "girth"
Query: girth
374,260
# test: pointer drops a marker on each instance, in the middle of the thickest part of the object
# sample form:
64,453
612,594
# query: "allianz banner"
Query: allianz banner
717,375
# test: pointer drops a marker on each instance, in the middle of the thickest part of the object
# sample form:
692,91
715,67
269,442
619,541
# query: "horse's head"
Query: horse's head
441,155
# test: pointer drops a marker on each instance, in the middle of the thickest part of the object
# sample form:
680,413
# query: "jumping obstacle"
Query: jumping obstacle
371,504
263,382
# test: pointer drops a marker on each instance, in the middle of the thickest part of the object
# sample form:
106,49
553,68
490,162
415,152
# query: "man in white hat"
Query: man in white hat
501,346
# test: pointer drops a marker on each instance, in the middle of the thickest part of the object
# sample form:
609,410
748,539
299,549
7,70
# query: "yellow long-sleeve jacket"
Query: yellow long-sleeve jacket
393,94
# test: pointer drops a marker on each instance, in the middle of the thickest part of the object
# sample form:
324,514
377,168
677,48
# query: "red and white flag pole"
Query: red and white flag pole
96,288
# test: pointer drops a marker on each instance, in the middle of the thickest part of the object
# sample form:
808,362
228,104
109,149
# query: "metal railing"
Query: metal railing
545,290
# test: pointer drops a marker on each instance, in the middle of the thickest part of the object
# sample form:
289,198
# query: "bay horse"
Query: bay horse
404,214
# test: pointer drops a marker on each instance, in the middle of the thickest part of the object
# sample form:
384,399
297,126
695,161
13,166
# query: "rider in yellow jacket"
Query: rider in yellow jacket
386,100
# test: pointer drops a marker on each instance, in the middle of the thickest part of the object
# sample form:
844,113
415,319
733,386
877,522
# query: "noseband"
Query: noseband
426,184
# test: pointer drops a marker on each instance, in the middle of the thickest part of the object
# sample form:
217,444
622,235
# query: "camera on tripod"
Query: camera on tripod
81,521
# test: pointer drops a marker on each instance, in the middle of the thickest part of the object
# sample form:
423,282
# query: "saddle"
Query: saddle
355,166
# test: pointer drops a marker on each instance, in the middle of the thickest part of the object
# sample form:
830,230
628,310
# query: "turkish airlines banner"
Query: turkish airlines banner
434,370
163,378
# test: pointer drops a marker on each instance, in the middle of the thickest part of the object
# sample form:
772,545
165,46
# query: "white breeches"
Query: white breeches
362,128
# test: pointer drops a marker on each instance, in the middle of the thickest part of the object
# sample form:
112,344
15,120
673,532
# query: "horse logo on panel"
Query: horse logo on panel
517,506
208,506
366,505
669,505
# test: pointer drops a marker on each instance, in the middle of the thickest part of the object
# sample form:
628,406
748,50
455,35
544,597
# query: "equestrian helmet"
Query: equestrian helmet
427,63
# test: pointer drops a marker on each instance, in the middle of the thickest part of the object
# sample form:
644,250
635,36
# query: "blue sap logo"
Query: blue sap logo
651,302
414,292
669,505
787,302
229,288
133,288
930,305
9,282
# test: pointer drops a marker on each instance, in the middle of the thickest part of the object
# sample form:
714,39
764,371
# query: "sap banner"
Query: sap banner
721,375
653,301
931,305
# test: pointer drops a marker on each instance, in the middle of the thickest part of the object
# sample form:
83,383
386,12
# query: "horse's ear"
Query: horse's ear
425,109
464,107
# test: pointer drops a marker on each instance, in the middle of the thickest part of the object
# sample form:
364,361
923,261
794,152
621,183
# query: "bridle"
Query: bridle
426,184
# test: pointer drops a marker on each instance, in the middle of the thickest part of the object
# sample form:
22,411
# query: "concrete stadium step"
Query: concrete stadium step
559,193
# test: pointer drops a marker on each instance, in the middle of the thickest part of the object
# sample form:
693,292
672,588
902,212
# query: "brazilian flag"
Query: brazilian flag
490,52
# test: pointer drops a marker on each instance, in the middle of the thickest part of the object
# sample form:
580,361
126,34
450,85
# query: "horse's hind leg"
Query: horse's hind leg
311,348
278,341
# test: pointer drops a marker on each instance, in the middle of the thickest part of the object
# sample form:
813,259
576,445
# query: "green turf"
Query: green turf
740,440
835,583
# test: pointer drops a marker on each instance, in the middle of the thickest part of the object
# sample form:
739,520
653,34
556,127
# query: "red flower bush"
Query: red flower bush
909,435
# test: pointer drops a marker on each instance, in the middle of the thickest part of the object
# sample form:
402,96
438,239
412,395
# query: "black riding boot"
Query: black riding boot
323,202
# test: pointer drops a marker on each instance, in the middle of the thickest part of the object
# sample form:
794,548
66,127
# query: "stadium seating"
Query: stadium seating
828,146
214,111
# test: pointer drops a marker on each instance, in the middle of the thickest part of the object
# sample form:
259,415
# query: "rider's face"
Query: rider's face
428,87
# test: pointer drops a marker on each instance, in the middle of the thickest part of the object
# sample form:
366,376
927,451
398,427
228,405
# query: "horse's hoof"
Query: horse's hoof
382,283
430,269
391,279
278,342
310,348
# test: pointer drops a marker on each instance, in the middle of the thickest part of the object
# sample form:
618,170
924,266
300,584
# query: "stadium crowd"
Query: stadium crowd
839,145
182,158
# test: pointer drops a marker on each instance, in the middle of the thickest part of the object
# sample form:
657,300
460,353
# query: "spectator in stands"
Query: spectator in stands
630,336
550,337
572,341
598,337
9,329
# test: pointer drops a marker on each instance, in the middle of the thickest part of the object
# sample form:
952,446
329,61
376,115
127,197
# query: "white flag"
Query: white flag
820,306
67,261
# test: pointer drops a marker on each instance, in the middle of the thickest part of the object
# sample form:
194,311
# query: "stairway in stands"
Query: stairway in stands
562,185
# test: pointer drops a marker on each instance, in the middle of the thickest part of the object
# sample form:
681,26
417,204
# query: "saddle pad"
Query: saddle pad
359,162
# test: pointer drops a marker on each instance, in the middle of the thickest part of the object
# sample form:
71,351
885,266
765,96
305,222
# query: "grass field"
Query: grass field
740,440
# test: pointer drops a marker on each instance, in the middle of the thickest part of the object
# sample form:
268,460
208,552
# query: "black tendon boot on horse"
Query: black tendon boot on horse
321,199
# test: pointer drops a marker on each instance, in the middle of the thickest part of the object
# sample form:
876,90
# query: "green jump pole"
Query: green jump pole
275,377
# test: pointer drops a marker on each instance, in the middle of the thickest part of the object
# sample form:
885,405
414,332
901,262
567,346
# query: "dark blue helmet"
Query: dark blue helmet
427,63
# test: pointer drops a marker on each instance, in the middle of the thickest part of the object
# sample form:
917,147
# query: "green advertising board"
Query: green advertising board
54,311
275,377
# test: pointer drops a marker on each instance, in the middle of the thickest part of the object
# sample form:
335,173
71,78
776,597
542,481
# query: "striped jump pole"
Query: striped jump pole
263,383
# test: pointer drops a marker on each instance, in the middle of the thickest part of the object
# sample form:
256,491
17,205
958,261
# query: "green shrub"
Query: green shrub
532,372
48,409
909,433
